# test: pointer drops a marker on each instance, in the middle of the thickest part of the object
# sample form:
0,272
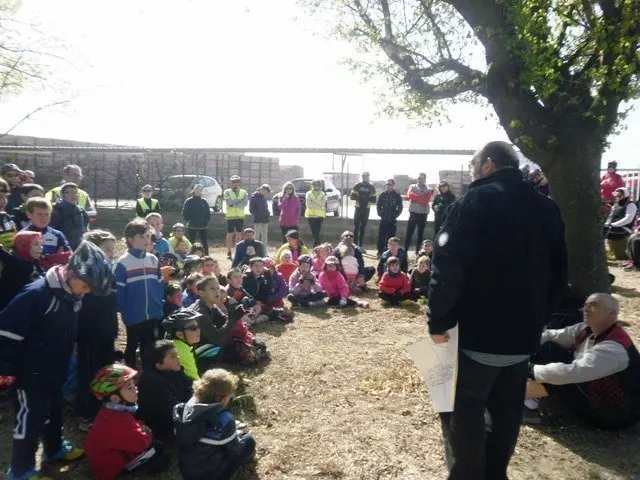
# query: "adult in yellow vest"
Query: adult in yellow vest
236,199
145,204
70,174
316,209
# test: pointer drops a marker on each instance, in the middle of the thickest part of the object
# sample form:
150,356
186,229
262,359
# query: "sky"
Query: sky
214,73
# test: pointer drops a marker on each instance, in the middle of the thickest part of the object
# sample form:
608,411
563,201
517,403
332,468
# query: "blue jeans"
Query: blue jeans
472,453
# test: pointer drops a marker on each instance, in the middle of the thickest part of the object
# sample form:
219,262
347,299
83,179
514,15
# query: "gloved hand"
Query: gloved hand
7,380
343,302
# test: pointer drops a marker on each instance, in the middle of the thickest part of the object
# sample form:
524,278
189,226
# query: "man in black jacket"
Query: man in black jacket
364,194
197,213
497,275
389,207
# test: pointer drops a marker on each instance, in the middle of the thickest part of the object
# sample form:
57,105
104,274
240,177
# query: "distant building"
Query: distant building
288,173
458,180
343,180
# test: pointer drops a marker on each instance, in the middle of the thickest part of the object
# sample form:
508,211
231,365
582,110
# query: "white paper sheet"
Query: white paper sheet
438,364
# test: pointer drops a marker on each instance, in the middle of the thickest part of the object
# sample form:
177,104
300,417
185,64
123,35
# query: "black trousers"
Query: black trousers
360,219
192,233
248,450
415,220
92,356
472,453
437,223
395,299
336,301
284,229
633,249
38,414
385,232
141,334
155,459
315,223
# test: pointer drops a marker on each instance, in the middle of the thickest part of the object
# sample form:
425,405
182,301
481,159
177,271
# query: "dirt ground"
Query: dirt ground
340,399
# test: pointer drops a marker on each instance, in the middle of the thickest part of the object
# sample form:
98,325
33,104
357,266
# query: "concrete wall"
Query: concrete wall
457,180
115,220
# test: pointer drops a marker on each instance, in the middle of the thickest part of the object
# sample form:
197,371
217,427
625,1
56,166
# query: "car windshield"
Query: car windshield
178,182
302,186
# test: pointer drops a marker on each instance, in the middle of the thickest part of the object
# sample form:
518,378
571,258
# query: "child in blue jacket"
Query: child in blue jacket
37,334
139,291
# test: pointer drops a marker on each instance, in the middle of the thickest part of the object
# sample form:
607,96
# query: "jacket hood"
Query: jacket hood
22,244
194,412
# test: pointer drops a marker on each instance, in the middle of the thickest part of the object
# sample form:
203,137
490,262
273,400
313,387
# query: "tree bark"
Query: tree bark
574,181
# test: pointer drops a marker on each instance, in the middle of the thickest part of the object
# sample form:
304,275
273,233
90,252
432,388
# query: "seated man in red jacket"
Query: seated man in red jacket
593,368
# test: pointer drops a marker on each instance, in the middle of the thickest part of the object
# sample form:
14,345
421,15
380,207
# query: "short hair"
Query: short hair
208,258
160,350
171,289
98,237
67,186
203,282
392,260
135,227
392,180
193,278
253,260
424,259
501,153
422,174
214,385
67,170
37,202
232,271
27,188
153,215
196,246
248,230
393,239
4,186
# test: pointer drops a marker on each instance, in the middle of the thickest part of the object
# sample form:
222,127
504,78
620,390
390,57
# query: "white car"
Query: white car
177,188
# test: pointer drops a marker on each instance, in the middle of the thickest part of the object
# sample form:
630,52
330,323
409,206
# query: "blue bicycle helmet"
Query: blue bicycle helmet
91,265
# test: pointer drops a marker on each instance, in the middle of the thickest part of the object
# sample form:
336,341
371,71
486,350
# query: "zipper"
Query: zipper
146,289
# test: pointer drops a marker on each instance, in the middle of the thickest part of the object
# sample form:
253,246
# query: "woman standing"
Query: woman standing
622,218
443,199
289,205
316,209
145,204
197,213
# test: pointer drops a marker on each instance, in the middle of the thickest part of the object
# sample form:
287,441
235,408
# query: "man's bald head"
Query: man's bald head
601,311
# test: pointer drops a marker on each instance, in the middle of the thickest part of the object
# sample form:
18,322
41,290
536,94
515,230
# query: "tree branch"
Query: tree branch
35,111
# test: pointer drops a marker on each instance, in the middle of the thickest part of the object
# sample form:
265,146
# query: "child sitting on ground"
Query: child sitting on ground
161,244
304,287
163,384
197,249
335,285
211,268
393,250
256,283
181,249
116,443
279,287
321,253
394,285
229,331
172,299
236,291
182,328
426,249
287,266
350,267
27,191
420,278
190,294
177,235
209,445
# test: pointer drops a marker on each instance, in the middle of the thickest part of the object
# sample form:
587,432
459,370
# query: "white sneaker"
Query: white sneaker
532,403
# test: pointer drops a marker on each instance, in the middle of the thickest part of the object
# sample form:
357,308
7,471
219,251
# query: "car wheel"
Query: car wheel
217,207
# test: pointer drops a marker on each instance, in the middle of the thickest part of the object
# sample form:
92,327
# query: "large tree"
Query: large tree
556,72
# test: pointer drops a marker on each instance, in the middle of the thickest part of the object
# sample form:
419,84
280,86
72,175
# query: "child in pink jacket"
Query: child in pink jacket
335,285
321,254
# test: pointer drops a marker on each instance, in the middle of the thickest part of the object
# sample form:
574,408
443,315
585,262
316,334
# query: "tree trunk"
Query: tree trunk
574,181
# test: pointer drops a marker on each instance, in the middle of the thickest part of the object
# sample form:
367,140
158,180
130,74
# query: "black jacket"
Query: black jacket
442,202
158,392
499,266
389,206
206,438
15,274
259,288
71,220
364,194
196,212
98,318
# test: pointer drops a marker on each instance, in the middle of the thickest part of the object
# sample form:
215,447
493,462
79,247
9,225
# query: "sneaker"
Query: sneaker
362,304
30,475
293,301
317,303
67,453
531,415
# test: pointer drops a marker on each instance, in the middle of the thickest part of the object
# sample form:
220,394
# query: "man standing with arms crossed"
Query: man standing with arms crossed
236,199
389,207
497,276
364,194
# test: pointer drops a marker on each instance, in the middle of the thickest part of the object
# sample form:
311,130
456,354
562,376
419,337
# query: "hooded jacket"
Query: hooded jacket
71,220
334,284
258,287
207,439
303,285
15,274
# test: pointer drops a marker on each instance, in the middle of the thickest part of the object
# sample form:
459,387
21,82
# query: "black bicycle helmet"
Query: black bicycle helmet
178,320
91,265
